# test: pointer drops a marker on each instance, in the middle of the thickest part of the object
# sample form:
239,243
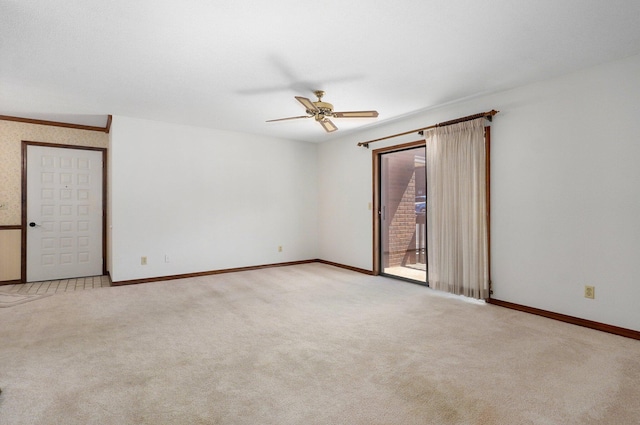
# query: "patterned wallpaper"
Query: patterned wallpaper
11,136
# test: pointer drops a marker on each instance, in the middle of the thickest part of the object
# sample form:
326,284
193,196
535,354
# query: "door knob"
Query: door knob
32,224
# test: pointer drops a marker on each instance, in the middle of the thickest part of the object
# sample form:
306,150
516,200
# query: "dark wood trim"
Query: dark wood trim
343,266
60,145
208,273
375,177
58,124
108,126
629,333
104,209
23,255
11,227
23,214
401,147
237,269
10,282
487,153
375,213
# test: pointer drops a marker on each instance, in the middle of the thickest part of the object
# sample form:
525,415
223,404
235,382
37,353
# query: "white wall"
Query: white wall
565,192
208,199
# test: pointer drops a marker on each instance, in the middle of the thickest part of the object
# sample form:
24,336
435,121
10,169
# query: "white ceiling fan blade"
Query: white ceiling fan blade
328,125
356,114
308,105
290,118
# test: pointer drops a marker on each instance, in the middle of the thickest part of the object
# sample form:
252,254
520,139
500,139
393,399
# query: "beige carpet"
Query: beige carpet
309,344
9,300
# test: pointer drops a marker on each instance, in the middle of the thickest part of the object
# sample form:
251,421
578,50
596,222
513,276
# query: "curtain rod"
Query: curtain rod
488,115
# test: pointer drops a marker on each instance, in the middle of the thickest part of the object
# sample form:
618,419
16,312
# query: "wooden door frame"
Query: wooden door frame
376,154
25,144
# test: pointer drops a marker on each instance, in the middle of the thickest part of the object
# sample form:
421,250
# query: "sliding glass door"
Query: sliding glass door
403,202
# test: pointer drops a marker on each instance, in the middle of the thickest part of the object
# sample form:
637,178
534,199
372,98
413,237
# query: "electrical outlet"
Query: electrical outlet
280,248
589,292
166,258
143,261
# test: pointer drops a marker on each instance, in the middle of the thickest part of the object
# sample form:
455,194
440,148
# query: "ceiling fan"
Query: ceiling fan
322,111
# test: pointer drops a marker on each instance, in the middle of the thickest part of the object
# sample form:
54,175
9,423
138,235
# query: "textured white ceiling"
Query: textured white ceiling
233,65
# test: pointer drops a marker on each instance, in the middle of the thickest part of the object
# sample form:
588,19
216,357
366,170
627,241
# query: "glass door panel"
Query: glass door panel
403,201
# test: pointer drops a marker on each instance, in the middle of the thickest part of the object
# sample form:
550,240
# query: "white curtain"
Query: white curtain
457,251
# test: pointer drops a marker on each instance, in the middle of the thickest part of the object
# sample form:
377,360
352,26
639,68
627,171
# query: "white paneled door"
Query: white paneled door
64,213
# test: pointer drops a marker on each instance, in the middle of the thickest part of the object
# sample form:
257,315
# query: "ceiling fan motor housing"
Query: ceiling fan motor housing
324,110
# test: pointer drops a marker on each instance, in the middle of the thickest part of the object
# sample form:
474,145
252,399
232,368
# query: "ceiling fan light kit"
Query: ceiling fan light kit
322,111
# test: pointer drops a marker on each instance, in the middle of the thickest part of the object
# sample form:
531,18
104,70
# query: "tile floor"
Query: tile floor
53,286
